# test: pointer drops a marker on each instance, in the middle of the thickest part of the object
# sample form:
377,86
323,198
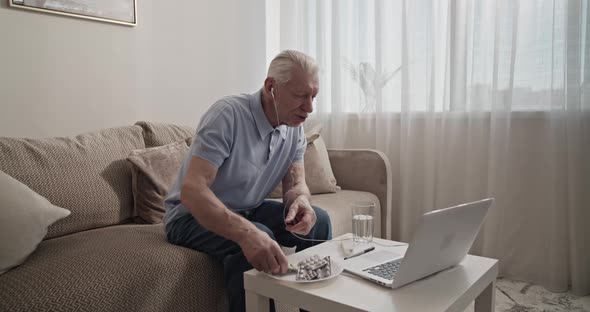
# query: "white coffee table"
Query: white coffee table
450,290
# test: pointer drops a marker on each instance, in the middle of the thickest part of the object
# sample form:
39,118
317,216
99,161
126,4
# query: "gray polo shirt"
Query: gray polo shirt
250,155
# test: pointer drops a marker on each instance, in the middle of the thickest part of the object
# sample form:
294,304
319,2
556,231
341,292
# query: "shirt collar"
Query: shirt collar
262,123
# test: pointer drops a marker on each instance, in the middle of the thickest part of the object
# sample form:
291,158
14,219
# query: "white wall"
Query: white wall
62,76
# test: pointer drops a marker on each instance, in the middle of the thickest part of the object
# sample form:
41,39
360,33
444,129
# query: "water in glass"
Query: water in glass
362,222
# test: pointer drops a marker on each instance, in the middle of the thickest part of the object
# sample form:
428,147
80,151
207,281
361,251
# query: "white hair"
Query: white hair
282,66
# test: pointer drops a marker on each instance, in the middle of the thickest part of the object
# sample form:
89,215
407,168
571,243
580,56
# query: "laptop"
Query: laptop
441,241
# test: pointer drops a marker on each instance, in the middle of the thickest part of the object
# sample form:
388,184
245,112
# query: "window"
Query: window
391,56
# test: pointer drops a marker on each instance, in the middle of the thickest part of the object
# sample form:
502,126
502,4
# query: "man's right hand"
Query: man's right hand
263,253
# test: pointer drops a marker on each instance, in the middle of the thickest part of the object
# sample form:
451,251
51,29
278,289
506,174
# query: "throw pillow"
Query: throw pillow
154,171
25,218
158,133
318,170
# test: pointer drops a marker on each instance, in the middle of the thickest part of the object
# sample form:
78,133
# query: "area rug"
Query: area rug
515,296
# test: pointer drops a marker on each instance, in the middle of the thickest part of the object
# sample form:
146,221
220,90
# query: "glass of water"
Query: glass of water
363,213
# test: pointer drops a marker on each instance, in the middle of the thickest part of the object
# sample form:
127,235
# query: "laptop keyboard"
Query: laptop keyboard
385,270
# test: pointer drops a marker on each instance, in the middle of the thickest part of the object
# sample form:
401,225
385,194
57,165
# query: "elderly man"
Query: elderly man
244,146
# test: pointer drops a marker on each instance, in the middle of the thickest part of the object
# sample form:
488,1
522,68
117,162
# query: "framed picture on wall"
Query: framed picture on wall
113,11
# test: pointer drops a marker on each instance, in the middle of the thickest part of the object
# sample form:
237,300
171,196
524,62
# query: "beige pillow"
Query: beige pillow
318,171
23,222
154,171
158,133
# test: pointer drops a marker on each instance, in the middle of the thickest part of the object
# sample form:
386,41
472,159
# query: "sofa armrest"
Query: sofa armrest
368,171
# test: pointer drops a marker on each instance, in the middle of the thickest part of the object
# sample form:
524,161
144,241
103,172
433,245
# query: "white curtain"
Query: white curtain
469,99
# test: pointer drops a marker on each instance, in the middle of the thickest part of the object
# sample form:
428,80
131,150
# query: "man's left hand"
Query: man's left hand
301,217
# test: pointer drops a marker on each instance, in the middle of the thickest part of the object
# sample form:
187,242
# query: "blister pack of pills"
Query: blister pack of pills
313,268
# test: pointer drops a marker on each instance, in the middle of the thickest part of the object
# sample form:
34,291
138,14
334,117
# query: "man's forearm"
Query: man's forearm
295,191
211,213
294,184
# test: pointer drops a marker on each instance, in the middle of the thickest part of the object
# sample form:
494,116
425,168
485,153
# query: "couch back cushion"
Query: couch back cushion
158,134
87,174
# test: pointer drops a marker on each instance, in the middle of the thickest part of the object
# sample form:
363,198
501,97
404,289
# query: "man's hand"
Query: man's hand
301,217
263,253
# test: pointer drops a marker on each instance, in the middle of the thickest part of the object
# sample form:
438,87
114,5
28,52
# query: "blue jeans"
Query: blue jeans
269,218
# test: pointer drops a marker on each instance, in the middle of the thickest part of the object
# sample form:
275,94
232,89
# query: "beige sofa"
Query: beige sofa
96,259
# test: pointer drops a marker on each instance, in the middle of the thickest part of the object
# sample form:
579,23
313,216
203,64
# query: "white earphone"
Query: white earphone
274,102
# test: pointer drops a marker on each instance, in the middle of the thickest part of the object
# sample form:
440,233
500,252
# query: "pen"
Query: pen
360,253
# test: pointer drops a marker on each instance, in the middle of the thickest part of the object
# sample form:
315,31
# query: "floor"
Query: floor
515,296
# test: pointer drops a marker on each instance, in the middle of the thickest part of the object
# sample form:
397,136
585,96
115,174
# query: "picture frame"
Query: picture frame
123,12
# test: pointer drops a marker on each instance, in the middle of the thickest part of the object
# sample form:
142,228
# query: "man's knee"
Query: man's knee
323,222
265,229
321,215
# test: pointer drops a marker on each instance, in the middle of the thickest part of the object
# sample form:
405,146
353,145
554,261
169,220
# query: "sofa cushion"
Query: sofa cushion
118,268
154,171
23,222
157,133
87,174
318,171
319,177
337,205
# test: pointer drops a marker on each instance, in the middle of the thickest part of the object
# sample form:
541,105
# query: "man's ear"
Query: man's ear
269,84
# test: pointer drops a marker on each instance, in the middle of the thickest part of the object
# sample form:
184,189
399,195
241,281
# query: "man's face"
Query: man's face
295,98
